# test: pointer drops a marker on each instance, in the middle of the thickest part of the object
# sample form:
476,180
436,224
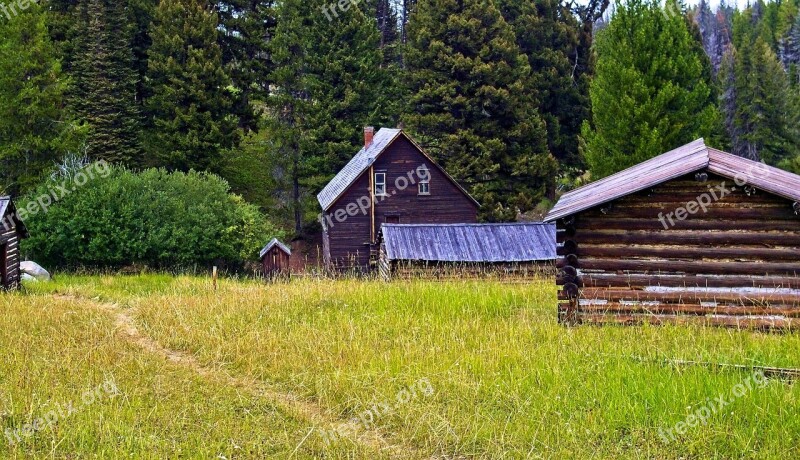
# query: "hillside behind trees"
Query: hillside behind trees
518,99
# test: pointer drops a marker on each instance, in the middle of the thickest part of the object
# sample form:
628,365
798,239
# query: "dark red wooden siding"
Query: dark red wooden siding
349,242
275,262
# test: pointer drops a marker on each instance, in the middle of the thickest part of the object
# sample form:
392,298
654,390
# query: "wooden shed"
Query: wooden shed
12,231
517,250
275,259
695,235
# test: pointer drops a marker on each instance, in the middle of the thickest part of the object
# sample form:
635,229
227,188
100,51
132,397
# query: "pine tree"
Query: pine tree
62,26
792,46
387,20
473,106
329,84
104,94
407,7
728,101
140,17
549,35
35,129
247,26
715,32
189,103
759,122
652,91
787,13
792,160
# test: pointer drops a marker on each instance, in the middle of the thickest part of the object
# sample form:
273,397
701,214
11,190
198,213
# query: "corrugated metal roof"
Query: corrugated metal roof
355,167
684,160
273,243
518,242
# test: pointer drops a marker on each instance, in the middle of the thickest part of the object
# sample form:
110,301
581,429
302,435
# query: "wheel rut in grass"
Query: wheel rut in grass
292,404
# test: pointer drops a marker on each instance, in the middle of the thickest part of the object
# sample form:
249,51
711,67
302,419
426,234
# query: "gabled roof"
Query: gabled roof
8,211
690,158
272,244
363,160
518,242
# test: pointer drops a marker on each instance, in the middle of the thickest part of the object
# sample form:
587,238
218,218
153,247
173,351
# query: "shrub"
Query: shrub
152,218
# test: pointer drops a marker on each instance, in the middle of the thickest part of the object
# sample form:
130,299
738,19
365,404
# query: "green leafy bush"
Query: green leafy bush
154,218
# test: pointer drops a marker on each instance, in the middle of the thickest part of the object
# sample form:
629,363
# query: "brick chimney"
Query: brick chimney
369,133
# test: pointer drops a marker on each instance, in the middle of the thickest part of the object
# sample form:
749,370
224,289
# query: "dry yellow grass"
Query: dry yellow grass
507,381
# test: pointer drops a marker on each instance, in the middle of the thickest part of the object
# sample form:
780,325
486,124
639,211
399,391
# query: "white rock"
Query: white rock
35,270
27,277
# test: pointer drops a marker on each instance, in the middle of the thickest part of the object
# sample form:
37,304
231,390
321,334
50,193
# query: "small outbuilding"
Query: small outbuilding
275,259
442,250
695,235
12,230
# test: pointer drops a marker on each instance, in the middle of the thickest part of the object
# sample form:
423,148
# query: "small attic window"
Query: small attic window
425,181
380,184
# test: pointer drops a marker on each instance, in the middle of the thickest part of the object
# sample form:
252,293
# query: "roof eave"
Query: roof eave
447,175
698,152
370,163
374,159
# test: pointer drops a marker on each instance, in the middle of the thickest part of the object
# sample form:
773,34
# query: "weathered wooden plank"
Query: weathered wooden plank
683,197
563,280
745,322
694,223
692,267
733,281
692,309
686,252
686,237
727,213
688,296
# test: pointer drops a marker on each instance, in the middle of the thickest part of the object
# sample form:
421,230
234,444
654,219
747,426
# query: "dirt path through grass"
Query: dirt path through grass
293,405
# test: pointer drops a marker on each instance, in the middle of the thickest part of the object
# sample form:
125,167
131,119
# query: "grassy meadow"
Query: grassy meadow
364,369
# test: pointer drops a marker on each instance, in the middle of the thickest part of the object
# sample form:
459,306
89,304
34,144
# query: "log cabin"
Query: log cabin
695,235
12,230
390,180
514,250
275,259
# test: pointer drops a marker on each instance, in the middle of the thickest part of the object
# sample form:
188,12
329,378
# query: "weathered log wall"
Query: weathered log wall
734,261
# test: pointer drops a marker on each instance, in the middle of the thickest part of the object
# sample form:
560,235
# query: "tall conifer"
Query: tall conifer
190,106
652,91
473,105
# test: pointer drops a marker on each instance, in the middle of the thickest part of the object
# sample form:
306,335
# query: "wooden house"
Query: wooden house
517,250
693,235
275,259
12,230
390,181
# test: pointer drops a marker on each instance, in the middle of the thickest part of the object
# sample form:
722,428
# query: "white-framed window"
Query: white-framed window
380,184
424,183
